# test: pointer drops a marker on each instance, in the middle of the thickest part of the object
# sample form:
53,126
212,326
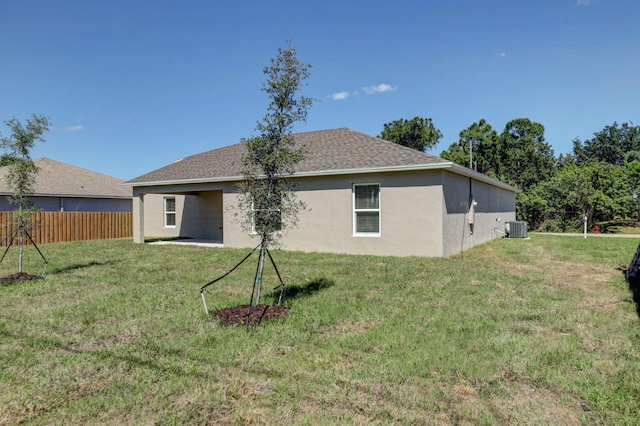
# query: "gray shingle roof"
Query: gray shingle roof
326,151
60,179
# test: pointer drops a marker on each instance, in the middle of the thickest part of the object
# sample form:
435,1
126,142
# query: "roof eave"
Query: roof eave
465,171
333,172
314,173
123,197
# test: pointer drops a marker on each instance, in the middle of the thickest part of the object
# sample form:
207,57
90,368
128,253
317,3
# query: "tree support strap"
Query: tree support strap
221,277
203,288
12,235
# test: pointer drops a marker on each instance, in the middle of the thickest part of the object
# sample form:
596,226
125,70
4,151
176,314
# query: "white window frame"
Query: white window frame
167,213
356,211
253,220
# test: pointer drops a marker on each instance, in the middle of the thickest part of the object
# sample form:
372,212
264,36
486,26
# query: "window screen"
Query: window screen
366,209
170,211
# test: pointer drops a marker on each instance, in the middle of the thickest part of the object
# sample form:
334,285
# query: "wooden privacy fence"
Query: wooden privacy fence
55,227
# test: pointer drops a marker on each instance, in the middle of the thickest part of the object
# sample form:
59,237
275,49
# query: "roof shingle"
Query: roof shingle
325,150
60,179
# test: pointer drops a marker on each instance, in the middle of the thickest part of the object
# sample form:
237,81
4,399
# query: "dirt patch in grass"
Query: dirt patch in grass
18,276
253,315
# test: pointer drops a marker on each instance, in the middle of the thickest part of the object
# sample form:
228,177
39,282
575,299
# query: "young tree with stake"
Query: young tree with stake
22,170
267,192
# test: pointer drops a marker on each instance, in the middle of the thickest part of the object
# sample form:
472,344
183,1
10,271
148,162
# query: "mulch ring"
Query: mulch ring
18,276
238,315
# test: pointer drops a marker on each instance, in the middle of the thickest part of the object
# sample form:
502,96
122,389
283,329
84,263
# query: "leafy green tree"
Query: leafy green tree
6,160
418,133
611,144
519,156
22,170
611,198
523,157
565,159
267,191
632,167
481,140
598,191
600,179
617,144
535,207
456,153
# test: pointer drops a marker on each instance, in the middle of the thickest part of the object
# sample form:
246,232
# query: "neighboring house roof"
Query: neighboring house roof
326,152
64,180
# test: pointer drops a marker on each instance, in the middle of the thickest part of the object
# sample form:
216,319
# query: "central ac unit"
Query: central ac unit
516,229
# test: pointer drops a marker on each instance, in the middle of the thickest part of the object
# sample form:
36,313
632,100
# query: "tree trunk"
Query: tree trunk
259,272
20,243
20,240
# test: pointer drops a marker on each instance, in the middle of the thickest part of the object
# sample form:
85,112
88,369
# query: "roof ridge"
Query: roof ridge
322,131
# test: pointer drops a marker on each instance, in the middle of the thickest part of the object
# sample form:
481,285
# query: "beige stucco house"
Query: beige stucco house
62,187
364,195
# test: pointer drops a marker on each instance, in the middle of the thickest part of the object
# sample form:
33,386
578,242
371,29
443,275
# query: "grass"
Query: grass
539,331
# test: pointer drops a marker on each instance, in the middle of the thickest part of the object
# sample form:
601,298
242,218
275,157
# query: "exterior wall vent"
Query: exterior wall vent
516,229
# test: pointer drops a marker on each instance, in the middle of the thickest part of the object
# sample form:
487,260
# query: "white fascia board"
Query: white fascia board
372,170
464,171
413,167
301,174
184,181
110,197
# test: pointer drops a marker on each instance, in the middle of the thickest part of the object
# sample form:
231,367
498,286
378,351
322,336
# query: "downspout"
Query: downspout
470,217
472,207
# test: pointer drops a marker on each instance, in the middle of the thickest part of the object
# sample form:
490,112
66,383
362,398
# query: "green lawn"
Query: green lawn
539,331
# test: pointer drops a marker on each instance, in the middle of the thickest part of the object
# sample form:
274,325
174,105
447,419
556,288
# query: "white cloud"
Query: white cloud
380,88
374,89
583,2
77,128
502,54
339,96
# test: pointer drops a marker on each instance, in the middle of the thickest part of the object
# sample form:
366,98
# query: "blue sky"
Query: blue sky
131,86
